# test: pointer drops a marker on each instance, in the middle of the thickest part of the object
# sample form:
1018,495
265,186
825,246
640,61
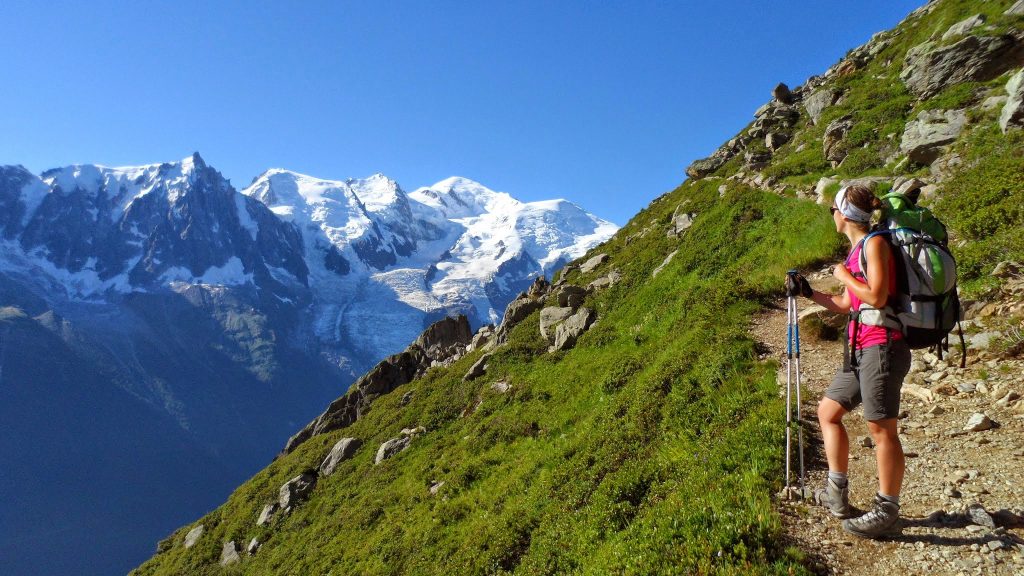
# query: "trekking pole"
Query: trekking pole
793,377
799,401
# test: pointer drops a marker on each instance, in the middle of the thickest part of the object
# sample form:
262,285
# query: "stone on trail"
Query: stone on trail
978,422
980,516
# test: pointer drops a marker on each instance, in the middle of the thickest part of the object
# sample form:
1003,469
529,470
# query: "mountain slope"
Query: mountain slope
655,444
203,325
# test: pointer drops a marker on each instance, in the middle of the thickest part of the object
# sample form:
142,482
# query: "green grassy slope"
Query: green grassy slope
655,445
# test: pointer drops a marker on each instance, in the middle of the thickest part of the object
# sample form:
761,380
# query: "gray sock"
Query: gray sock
839,478
894,499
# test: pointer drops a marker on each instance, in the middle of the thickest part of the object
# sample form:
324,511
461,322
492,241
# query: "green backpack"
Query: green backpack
926,307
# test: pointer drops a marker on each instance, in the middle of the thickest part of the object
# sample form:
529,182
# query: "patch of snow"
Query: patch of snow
243,216
232,273
32,195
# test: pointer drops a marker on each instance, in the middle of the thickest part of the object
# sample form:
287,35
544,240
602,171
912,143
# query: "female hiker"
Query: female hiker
875,363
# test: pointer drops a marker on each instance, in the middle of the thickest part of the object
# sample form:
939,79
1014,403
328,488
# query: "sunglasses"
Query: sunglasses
833,209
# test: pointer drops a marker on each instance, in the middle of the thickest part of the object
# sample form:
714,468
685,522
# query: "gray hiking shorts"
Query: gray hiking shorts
876,380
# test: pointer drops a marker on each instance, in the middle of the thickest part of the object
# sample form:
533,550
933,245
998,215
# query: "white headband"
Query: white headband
848,210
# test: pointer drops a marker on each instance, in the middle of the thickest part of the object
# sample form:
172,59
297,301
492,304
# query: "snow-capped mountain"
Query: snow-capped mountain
95,230
379,255
162,334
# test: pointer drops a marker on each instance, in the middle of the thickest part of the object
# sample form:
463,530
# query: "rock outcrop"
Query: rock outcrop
1012,115
343,450
229,554
835,152
929,69
399,444
572,328
296,490
964,26
193,536
819,101
924,138
441,343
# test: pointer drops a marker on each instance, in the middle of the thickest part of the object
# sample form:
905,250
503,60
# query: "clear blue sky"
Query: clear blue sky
603,103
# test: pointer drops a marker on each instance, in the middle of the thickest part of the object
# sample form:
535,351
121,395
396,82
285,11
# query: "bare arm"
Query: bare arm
876,292
839,304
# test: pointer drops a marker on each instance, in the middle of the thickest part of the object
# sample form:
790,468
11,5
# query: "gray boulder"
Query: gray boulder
924,137
572,328
267,514
253,546
193,536
606,281
705,166
928,70
440,339
910,187
539,288
516,312
591,264
571,296
818,101
341,451
664,263
964,26
832,140
392,447
229,554
775,140
296,490
478,369
978,422
1016,10
819,189
681,220
756,160
782,94
482,337
550,317
1012,115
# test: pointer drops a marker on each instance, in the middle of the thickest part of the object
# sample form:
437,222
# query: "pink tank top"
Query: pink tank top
868,335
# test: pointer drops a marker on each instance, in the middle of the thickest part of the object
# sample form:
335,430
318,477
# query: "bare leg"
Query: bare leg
833,434
889,454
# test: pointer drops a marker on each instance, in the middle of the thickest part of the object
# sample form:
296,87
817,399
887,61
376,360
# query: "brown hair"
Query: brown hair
863,198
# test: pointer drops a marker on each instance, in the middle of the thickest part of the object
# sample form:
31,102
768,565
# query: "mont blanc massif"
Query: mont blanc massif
162,334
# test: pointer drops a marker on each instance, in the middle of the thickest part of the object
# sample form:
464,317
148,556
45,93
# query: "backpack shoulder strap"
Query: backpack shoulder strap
863,245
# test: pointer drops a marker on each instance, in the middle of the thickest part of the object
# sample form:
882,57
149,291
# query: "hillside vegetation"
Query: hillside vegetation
654,445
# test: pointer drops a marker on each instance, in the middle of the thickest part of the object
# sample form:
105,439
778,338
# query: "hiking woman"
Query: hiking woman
875,364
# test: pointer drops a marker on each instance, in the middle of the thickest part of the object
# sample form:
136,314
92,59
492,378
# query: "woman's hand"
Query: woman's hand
842,273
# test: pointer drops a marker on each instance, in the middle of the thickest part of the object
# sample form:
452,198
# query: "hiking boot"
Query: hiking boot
836,499
882,521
